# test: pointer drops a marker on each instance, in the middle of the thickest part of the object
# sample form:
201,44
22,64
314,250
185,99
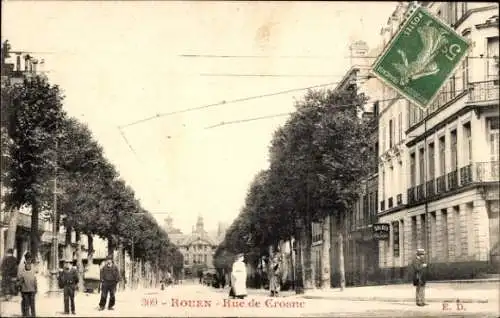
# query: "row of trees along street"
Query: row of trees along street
42,145
317,160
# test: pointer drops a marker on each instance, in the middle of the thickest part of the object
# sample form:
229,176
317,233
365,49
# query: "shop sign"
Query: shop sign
380,231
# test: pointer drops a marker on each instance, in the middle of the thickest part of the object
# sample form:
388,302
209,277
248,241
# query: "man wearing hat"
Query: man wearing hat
419,271
68,280
239,278
110,276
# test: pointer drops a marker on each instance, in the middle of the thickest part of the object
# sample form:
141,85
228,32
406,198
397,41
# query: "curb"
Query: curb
392,300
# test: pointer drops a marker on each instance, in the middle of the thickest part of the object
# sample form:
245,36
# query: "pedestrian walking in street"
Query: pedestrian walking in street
9,275
28,285
24,260
68,280
419,276
239,278
274,275
110,276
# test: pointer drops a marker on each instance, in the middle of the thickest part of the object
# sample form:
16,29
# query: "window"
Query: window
456,219
383,139
414,234
317,231
395,238
442,155
431,161
421,167
400,125
391,134
494,140
492,63
467,149
413,170
205,259
365,209
453,150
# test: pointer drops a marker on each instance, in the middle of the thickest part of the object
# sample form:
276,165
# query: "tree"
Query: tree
34,113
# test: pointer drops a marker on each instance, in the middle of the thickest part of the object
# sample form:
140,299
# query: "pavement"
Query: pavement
194,300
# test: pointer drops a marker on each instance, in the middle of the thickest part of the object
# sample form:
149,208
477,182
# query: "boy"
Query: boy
28,283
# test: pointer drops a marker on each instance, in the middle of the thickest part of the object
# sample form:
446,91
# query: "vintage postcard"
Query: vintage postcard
249,159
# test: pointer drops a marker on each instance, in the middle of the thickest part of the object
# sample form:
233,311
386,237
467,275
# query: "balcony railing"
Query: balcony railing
399,199
420,192
411,195
452,180
484,91
430,187
441,184
487,172
478,172
389,203
466,175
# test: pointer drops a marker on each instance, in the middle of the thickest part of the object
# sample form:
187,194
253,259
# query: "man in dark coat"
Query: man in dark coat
9,275
68,280
110,276
419,279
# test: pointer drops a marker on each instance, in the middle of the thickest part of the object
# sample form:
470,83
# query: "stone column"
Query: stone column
464,211
407,241
439,237
451,234
420,232
481,230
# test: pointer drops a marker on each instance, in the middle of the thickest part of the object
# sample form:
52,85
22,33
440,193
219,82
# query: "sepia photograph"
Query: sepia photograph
249,159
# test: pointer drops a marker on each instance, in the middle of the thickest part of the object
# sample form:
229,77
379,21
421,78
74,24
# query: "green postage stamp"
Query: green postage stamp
421,57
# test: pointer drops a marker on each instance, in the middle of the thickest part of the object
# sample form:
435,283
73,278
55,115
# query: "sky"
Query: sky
121,62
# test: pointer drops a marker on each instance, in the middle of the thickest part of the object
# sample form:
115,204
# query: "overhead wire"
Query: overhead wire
233,101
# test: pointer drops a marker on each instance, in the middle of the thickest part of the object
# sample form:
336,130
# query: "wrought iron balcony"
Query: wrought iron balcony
452,180
465,175
389,203
486,172
484,91
411,195
399,199
430,188
420,192
441,184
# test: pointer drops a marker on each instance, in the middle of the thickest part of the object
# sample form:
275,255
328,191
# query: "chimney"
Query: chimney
359,54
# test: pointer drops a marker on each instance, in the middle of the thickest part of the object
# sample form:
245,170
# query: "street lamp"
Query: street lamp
53,285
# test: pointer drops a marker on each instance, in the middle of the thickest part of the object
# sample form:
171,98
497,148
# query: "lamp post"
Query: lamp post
53,286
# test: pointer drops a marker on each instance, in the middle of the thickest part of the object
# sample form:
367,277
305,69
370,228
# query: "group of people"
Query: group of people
22,278
239,276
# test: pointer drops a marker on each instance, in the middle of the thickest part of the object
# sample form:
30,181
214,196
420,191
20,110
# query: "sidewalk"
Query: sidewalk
436,292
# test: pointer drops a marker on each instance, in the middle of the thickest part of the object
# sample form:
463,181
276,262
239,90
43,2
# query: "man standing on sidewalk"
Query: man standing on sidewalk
28,284
419,279
9,275
68,280
110,276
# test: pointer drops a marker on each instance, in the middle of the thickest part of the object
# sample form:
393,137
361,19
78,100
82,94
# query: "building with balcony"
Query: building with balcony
198,247
439,173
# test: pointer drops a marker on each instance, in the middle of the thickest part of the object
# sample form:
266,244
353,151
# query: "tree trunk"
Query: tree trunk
308,264
121,262
292,267
35,234
341,260
111,246
325,254
11,231
90,252
68,249
79,260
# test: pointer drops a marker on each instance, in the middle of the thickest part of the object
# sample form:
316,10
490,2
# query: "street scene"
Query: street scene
256,159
